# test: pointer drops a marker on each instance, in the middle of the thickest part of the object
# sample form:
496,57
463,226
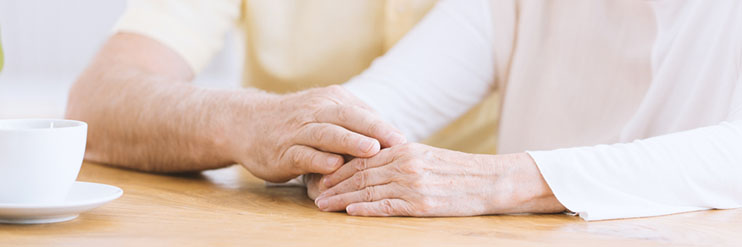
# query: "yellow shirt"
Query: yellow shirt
293,45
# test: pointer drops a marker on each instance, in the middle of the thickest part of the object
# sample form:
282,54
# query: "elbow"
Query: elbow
76,103
84,100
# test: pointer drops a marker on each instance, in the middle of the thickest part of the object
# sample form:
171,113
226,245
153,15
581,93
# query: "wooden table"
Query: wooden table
230,207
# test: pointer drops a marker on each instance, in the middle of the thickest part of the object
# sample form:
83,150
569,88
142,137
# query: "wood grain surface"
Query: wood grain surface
230,207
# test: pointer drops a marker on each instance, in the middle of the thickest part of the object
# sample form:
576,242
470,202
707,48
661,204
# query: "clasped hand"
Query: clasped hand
419,180
288,135
308,132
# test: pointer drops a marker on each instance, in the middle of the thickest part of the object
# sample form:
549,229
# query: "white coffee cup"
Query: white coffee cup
39,159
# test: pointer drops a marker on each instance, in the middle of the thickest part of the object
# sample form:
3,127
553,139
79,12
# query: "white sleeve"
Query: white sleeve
684,171
440,69
195,29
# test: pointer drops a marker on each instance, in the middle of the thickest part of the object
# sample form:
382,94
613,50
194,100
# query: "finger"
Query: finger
363,122
384,157
360,180
314,188
368,194
336,139
384,207
305,159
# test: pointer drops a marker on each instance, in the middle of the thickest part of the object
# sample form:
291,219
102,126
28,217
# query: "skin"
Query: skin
419,180
144,115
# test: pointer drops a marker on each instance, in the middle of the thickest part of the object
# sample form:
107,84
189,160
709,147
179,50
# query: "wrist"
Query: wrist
523,189
237,130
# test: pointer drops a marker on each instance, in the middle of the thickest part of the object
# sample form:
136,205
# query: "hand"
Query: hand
419,180
288,135
314,187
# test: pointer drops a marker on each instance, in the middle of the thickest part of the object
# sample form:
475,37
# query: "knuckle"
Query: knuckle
418,162
408,148
375,127
415,179
417,184
360,165
313,100
339,113
406,168
387,207
411,167
402,149
316,113
348,139
360,179
319,134
415,147
312,157
295,156
368,194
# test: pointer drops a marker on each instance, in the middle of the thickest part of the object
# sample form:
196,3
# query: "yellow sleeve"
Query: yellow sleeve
195,29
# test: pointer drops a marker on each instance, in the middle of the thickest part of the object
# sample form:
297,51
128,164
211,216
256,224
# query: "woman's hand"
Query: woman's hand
419,180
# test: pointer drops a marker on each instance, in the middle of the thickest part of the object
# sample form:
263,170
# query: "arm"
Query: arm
685,171
143,115
420,180
440,69
679,172
142,112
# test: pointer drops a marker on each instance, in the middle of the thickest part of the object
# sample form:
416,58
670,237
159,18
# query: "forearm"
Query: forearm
142,113
440,69
143,122
684,171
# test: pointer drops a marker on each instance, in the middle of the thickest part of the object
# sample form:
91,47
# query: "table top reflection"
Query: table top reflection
229,207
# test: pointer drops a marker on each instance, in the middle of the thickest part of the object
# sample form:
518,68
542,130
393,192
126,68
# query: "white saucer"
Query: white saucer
83,196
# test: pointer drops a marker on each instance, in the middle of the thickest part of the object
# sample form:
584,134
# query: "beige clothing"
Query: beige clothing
293,45
637,105
600,53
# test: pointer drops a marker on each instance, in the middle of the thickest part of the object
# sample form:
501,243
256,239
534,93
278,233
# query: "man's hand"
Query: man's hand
419,180
143,114
289,135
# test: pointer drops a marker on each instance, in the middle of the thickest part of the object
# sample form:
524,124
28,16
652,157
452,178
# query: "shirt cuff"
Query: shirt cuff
594,196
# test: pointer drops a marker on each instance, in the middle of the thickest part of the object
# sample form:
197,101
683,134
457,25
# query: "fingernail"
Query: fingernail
322,204
350,209
396,138
331,161
366,145
325,182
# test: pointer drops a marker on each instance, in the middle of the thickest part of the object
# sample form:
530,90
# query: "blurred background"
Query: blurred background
48,43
